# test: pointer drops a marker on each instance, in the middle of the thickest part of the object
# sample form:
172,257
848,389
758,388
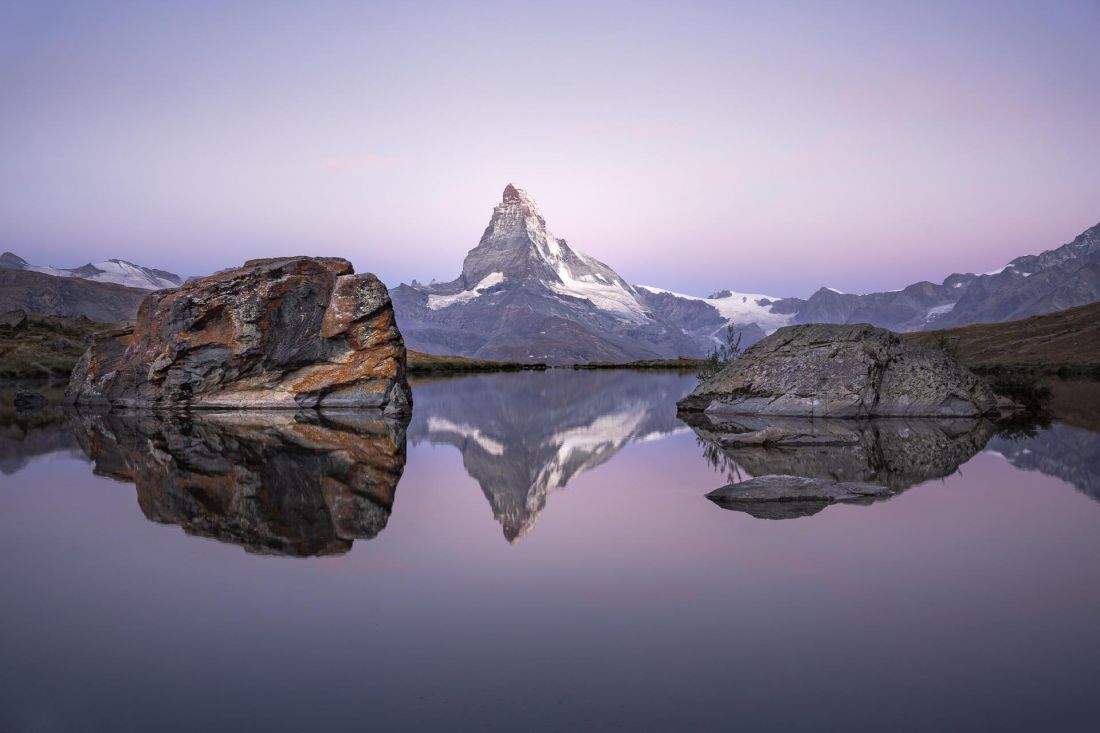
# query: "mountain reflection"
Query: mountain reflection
1065,451
31,435
524,435
298,484
896,453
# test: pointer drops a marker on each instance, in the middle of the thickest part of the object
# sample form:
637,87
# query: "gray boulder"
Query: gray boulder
845,371
787,497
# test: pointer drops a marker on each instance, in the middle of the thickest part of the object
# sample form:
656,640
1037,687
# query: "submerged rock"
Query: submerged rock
787,497
286,332
824,370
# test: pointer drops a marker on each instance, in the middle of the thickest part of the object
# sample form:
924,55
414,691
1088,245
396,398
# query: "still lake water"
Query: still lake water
535,552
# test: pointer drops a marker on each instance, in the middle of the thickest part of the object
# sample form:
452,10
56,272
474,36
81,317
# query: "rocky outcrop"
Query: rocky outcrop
277,483
842,371
277,333
788,497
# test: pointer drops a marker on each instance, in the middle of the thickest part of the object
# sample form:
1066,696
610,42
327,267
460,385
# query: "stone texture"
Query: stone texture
276,333
787,497
894,452
282,483
26,400
842,371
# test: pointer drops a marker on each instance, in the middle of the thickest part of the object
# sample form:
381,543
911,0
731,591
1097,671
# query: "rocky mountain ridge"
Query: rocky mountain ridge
525,295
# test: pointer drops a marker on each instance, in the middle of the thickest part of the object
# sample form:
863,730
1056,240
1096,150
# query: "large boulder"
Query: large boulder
824,370
288,332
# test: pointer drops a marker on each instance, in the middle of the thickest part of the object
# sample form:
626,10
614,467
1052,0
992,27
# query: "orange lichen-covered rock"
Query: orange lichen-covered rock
286,332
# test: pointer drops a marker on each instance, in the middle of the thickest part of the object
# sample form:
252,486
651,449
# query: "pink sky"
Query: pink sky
696,146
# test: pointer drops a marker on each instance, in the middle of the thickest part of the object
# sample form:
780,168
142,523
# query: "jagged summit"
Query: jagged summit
513,194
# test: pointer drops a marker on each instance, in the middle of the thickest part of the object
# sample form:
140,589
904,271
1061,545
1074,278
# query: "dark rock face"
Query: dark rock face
281,483
525,295
788,497
842,371
289,332
41,294
25,401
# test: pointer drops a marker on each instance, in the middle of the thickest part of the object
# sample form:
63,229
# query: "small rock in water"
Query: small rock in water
26,401
786,497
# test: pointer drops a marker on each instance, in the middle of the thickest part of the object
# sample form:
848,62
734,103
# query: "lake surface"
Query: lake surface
535,552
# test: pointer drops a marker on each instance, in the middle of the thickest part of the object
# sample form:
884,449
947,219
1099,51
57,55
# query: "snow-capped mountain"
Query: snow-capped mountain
119,272
1030,285
525,295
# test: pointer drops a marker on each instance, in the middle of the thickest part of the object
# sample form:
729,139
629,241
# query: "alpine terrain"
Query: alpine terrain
119,272
525,295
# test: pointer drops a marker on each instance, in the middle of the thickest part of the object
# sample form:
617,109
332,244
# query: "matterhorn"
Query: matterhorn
525,295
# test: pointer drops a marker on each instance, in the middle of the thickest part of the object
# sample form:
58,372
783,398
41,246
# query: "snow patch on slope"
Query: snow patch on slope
119,272
740,308
938,311
607,296
435,302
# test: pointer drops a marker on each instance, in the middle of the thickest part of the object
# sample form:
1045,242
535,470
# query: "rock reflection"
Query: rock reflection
891,453
279,483
524,435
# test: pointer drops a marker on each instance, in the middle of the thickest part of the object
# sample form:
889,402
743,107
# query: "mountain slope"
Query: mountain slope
525,295
115,271
1030,285
1063,339
37,293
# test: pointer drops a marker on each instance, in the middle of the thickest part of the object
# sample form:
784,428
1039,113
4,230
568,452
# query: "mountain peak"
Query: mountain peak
513,194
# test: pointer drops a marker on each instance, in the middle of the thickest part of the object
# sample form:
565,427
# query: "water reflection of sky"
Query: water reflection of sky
633,604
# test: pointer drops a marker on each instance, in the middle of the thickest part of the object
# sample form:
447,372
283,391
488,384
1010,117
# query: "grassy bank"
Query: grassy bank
680,364
420,364
1065,343
43,347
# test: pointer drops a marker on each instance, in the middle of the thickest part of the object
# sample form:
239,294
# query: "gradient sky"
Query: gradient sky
763,147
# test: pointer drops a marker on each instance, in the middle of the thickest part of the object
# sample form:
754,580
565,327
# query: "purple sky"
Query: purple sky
696,146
